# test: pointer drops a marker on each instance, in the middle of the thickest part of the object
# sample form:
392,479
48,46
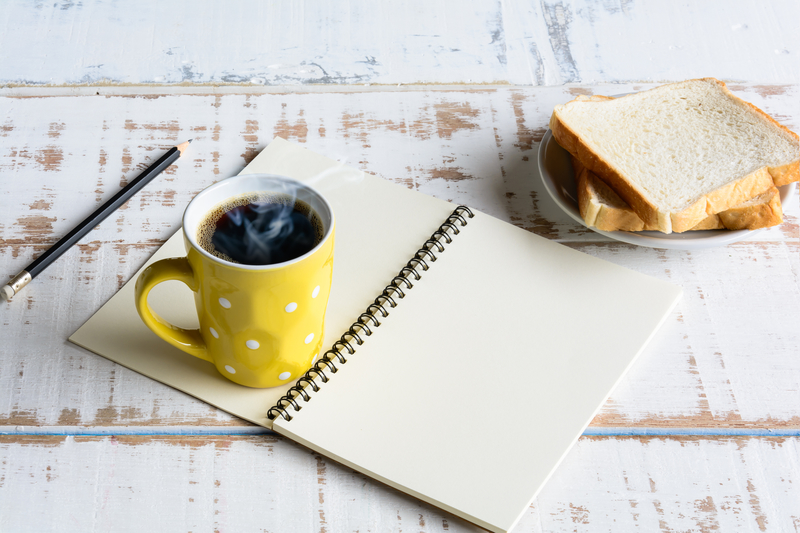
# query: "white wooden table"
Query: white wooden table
450,98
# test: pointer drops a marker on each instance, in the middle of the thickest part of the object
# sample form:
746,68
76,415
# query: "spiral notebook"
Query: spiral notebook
467,355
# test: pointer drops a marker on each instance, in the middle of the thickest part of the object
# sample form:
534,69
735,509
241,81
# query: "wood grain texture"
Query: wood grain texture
712,365
303,42
724,366
266,483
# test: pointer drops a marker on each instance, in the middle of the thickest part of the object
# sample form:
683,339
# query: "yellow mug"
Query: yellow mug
260,325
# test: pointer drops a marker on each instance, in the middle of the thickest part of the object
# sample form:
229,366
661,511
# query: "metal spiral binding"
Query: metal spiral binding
368,320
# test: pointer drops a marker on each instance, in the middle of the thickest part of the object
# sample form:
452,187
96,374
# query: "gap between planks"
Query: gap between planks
28,91
179,431
205,90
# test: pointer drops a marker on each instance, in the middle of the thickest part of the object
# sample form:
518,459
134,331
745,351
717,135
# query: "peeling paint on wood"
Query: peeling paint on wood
250,483
551,42
469,147
558,17
712,366
708,367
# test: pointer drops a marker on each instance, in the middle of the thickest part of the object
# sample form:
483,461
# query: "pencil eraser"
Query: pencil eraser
6,293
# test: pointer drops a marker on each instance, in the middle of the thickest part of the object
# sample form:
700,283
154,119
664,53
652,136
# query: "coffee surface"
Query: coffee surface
260,229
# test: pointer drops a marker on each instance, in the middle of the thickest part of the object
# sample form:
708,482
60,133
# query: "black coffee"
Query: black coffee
260,229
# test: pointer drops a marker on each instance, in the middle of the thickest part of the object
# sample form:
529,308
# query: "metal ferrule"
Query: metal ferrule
19,281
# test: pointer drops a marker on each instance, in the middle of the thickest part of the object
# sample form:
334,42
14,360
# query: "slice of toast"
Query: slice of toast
681,152
763,211
602,208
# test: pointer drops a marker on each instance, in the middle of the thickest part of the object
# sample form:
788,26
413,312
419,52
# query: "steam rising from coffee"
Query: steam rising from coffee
262,228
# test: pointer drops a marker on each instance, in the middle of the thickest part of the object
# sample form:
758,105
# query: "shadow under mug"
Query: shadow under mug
260,325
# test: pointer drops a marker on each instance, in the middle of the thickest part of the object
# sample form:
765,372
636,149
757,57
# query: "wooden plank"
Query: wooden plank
712,365
453,41
266,483
475,147
690,376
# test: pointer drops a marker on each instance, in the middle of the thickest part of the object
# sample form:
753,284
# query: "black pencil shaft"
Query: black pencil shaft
55,251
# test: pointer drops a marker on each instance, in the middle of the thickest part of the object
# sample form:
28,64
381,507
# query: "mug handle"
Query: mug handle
177,268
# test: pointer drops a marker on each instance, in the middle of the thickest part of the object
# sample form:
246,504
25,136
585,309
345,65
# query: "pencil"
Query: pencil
55,251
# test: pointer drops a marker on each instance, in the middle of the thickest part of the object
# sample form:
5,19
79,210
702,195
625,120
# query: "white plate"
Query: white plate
559,180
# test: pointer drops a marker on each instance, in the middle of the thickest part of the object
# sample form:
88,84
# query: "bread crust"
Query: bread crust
710,222
603,209
765,211
712,203
595,213
721,199
785,174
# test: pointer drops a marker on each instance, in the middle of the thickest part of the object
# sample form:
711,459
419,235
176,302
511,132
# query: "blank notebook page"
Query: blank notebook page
507,337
